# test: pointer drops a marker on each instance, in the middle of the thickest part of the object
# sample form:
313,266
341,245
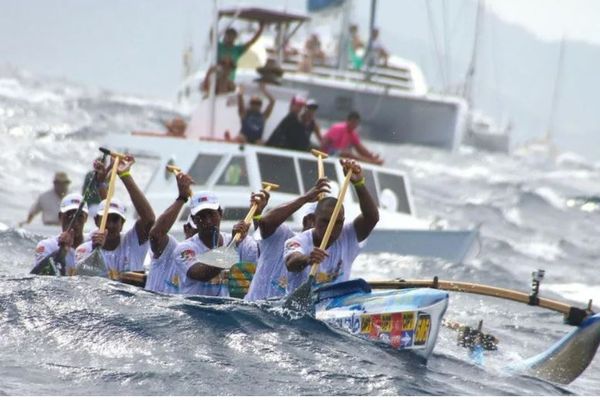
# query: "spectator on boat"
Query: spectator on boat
378,55
270,279
175,128
310,123
313,53
48,203
228,49
61,248
224,83
161,277
121,252
290,133
356,45
197,278
342,138
253,118
336,260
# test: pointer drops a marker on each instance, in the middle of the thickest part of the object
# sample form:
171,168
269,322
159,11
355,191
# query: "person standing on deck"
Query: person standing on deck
162,244
290,132
196,278
121,252
253,119
343,137
228,48
270,279
48,203
336,260
61,248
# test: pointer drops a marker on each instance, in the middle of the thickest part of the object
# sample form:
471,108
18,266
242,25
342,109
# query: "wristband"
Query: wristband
360,183
257,217
182,198
125,174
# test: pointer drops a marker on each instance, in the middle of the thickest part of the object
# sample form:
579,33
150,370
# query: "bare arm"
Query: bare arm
140,203
250,42
269,109
202,272
369,214
158,235
296,262
240,102
318,133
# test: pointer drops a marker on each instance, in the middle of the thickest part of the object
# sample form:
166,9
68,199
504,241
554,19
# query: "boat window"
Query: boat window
393,196
309,173
234,213
370,183
203,167
279,170
235,174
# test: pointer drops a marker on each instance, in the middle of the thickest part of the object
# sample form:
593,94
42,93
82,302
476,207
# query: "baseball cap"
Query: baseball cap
72,202
308,208
297,99
61,177
115,207
190,222
312,103
203,201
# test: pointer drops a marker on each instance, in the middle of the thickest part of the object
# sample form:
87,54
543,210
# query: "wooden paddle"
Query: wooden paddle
225,256
176,170
301,299
320,167
573,315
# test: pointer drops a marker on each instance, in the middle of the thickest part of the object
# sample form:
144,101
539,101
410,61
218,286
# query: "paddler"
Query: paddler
270,279
162,244
303,250
122,252
61,248
197,278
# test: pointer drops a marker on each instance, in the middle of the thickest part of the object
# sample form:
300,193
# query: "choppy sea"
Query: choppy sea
84,336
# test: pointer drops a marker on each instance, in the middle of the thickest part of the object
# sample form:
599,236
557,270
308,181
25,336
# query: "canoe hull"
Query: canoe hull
407,320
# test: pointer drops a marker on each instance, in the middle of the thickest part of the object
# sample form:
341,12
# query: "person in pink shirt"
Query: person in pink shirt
342,138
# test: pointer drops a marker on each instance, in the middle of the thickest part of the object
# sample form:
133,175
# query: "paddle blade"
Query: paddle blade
46,267
301,299
93,265
222,257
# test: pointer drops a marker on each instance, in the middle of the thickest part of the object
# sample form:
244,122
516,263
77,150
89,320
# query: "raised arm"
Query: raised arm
369,214
240,102
158,235
140,203
250,42
269,223
269,109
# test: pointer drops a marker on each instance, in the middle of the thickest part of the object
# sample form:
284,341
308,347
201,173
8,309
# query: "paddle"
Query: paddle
176,170
301,300
573,315
320,167
94,264
225,256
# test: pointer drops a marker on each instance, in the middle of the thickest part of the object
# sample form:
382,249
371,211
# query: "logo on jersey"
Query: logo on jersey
188,255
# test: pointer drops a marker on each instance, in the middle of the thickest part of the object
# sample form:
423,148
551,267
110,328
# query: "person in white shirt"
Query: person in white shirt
121,252
270,279
60,249
303,250
48,203
161,277
196,278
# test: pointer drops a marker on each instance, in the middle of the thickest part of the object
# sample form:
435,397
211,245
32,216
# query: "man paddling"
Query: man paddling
197,278
270,279
163,245
121,252
302,250
61,248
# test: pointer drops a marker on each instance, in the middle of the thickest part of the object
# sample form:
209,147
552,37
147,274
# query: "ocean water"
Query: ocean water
83,336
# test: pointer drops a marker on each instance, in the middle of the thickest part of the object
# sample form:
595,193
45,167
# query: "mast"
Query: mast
555,91
468,87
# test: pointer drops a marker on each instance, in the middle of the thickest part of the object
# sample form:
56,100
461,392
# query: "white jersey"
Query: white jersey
160,277
50,246
335,268
185,257
270,279
128,256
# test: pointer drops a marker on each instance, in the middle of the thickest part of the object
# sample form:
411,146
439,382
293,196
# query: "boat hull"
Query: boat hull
407,319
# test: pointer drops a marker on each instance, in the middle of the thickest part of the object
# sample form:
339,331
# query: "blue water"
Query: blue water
83,336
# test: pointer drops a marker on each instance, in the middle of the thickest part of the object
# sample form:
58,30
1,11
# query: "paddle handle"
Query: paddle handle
267,187
320,166
109,194
175,170
334,215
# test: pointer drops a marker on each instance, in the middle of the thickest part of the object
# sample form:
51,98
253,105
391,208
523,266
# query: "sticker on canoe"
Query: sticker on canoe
422,330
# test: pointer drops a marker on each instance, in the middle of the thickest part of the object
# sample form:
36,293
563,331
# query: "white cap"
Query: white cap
72,202
308,208
190,222
203,201
115,207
